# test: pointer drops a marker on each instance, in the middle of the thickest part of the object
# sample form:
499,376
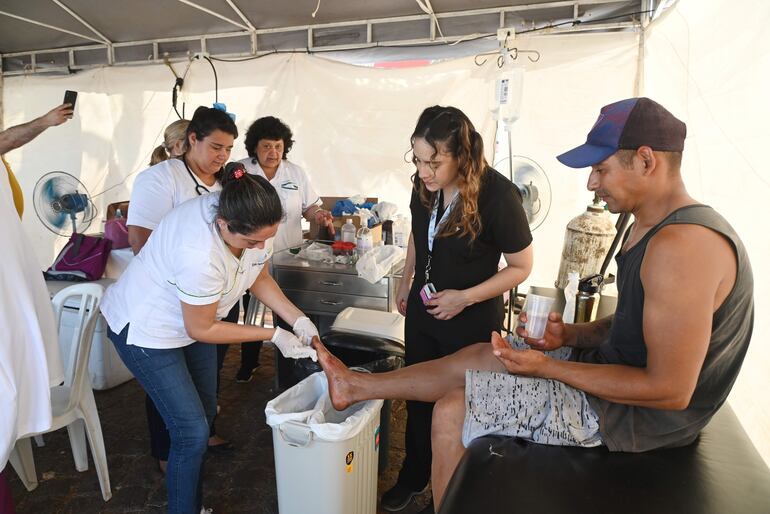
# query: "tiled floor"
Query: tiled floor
241,482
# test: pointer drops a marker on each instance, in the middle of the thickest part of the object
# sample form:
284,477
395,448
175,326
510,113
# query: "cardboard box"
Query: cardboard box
328,204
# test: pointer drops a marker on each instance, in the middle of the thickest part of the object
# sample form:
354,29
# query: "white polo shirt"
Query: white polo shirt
293,187
187,261
160,188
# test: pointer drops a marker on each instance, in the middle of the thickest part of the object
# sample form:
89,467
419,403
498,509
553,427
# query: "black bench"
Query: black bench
721,473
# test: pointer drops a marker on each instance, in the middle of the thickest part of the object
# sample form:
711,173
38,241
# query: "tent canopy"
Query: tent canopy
65,35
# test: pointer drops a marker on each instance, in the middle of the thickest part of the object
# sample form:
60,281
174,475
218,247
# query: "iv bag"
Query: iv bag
506,104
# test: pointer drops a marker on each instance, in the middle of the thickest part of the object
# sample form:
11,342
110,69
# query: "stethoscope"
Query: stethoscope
198,185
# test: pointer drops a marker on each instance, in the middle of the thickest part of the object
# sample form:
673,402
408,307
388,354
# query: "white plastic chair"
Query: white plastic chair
73,404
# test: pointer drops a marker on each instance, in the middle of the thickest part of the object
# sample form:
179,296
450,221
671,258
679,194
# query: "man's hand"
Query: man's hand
58,115
447,304
529,363
556,333
20,135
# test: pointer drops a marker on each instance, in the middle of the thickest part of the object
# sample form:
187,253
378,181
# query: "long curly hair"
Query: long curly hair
449,129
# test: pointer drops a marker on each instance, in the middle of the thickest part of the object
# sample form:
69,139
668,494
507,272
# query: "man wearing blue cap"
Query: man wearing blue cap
650,376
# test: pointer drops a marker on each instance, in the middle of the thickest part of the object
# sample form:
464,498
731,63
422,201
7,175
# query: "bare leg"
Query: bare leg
427,381
446,439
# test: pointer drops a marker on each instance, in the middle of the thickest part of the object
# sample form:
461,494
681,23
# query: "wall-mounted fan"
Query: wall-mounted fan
533,185
62,202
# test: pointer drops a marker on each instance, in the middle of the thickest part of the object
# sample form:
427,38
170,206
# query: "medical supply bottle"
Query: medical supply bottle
401,232
364,240
348,232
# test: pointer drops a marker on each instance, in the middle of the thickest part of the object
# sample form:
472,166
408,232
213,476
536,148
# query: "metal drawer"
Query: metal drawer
316,302
330,282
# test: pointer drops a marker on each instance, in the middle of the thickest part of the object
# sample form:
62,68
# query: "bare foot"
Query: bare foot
337,374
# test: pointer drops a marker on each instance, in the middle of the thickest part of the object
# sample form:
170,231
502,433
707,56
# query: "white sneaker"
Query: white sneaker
204,510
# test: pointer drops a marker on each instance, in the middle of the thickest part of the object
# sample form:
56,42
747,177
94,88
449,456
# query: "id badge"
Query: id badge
427,292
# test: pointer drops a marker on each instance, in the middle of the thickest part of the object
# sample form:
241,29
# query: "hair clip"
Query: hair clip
238,173
222,107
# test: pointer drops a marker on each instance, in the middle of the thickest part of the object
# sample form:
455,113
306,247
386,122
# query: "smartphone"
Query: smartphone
427,292
70,97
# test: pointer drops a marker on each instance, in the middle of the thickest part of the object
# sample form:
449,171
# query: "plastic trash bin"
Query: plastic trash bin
325,460
368,339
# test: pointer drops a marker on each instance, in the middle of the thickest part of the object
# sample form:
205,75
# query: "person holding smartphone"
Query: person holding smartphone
29,349
465,216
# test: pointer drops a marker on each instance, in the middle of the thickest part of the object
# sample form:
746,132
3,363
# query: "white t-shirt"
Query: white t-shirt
29,345
187,261
160,188
296,193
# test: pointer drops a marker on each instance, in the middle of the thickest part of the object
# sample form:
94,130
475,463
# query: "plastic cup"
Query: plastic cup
537,311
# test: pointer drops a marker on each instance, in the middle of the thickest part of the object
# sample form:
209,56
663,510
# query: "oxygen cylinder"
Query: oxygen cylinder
586,242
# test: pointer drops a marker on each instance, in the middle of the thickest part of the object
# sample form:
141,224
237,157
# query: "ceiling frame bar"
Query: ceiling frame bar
81,20
243,17
213,13
52,27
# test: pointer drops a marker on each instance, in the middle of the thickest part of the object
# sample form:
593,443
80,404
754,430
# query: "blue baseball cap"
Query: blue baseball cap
627,125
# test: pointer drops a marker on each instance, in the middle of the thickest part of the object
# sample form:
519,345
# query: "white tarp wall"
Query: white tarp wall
352,128
352,124
709,62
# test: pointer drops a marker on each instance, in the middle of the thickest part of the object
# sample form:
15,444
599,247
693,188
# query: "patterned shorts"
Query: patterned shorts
536,409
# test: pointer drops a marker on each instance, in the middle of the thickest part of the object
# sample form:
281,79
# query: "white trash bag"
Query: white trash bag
376,263
307,405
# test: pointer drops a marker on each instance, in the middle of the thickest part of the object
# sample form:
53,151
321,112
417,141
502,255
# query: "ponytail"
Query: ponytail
175,132
247,202
158,155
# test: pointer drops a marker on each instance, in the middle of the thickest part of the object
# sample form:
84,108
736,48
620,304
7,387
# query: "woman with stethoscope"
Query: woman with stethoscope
465,216
208,140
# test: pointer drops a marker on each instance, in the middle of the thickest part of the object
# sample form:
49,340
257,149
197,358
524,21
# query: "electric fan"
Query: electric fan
533,185
58,198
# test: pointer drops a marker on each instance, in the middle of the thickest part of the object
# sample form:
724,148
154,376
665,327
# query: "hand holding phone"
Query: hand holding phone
70,97
427,292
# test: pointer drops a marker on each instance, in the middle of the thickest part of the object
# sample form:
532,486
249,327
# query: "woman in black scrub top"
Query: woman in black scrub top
465,215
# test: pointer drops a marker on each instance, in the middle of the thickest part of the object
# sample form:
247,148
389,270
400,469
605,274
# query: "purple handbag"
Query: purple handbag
82,258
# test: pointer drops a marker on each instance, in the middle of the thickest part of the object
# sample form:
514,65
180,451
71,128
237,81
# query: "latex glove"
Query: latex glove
290,346
305,330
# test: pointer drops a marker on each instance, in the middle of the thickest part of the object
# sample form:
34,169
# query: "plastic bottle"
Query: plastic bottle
364,241
401,232
118,213
348,232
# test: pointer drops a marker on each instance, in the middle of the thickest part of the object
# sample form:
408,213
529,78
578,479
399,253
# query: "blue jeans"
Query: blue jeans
182,383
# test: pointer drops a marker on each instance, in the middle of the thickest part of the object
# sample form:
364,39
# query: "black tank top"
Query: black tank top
634,429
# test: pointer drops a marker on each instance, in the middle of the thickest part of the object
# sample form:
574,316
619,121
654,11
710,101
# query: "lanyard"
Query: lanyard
433,227
198,185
